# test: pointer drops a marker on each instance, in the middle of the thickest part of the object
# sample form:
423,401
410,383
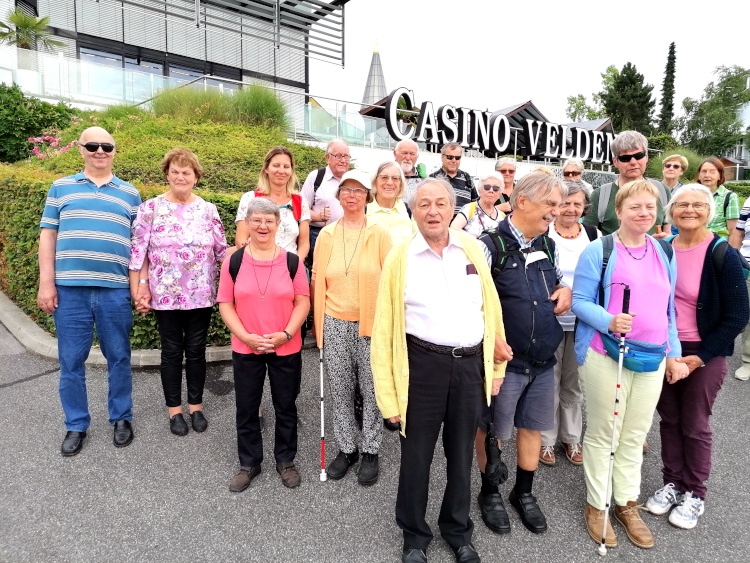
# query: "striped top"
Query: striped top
93,230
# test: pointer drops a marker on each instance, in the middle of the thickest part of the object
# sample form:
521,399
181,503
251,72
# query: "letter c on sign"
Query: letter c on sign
391,113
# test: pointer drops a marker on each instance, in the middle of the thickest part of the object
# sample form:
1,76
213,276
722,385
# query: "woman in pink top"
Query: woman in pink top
264,308
177,242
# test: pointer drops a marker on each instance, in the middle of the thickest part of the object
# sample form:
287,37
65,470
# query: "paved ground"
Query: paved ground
165,498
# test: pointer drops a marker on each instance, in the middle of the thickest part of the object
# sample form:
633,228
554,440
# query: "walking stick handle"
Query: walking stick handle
626,300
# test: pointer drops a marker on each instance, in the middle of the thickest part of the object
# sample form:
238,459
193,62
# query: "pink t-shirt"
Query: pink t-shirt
270,313
689,268
649,295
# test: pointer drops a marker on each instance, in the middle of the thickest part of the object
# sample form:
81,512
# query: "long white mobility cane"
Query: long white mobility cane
623,349
323,475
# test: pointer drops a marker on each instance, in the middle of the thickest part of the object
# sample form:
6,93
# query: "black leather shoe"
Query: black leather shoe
339,466
177,425
494,515
198,421
413,555
529,511
368,470
123,433
467,554
72,443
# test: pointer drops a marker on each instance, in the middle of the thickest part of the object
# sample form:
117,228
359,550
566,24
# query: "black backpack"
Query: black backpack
502,254
235,261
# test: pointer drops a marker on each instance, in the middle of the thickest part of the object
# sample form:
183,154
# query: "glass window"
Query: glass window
144,66
184,72
101,57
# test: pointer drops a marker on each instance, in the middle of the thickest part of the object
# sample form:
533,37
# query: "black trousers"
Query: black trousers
183,332
448,392
285,377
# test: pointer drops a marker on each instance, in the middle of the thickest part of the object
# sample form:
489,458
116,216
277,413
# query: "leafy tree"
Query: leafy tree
666,115
628,101
27,32
578,107
712,124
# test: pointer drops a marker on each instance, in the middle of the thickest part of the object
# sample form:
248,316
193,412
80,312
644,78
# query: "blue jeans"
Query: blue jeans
80,308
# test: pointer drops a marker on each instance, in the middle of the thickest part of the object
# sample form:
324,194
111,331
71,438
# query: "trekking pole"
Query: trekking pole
625,307
323,475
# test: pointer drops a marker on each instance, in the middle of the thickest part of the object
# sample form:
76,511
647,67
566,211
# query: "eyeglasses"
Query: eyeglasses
93,147
488,187
263,222
506,171
683,205
394,179
340,156
569,174
355,191
675,166
452,157
629,157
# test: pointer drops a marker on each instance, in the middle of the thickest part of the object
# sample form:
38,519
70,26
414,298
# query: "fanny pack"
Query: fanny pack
639,356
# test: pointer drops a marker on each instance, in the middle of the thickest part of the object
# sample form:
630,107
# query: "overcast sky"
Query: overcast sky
490,54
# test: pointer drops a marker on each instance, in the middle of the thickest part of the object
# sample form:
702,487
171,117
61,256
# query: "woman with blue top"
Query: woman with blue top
642,264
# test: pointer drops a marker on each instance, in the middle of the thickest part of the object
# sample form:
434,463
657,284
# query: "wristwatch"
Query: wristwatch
288,336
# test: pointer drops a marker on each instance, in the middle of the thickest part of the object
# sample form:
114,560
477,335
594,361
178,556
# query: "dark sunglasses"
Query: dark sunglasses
570,174
675,166
629,157
93,147
451,157
489,187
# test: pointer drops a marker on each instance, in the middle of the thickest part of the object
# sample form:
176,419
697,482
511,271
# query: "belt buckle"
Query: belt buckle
453,352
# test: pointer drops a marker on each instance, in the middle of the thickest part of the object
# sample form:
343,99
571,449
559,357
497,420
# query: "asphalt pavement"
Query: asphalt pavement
165,498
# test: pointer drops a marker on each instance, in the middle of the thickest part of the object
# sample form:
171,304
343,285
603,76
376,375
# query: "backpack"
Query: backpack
501,254
720,251
608,245
318,180
296,205
235,261
726,203
591,231
605,191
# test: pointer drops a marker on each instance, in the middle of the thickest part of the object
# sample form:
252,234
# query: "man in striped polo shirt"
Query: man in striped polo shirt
84,249
463,185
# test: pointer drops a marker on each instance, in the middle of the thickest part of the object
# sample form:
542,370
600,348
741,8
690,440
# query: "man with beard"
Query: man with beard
406,155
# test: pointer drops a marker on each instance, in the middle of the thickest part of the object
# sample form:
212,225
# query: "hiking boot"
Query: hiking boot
241,480
635,528
547,455
574,453
368,469
595,526
290,477
339,466
686,514
663,500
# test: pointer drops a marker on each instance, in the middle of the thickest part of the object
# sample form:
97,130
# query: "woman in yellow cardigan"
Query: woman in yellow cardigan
349,256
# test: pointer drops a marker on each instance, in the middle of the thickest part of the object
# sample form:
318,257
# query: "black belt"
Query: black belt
534,363
456,352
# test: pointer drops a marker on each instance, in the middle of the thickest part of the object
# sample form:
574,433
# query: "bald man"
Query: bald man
84,248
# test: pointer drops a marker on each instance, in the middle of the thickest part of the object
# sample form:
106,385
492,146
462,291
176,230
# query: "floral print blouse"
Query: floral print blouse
184,243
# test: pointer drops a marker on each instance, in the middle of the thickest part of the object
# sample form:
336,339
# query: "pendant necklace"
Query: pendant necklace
343,239
628,251
270,273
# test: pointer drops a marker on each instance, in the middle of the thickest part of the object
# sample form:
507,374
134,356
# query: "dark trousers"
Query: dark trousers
183,333
448,392
685,408
285,376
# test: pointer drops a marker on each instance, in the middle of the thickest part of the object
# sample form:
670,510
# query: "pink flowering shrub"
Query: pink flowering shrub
48,145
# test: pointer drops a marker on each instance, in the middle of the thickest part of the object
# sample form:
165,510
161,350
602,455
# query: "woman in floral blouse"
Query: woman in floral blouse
177,242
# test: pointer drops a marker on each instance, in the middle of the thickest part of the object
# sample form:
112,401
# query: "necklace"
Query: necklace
270,273
570,236
343,239
628,251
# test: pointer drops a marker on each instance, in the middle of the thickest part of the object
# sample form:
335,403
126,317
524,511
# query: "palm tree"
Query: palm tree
27,32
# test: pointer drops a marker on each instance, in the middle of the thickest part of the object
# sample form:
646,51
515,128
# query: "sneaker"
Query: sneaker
663,500
339,466
368,469
743,373
574,453
686,514
547,455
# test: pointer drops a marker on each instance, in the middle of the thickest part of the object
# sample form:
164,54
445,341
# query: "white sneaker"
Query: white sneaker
686,514
743,373
663,500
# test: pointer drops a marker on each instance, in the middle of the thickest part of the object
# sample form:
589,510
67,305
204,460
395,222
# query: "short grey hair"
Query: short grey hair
505,160
536,187
493,175
263,206
577,162
629,141
409,142
575,186
336,142
440,181
696,189
451,147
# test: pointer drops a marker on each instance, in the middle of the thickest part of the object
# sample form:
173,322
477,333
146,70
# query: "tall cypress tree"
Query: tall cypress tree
667,94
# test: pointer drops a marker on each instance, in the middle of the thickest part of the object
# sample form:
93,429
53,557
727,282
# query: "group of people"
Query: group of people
467,310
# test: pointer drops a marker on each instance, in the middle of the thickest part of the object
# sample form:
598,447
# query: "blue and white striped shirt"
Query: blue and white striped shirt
93,230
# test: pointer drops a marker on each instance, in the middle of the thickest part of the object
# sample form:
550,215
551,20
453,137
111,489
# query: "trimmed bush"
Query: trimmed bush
654,164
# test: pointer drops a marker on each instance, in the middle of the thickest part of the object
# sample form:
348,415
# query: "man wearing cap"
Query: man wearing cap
461,181
346,270
406,155
442,359
84,248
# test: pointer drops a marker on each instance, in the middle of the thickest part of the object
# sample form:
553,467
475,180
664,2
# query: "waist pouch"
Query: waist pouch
640,356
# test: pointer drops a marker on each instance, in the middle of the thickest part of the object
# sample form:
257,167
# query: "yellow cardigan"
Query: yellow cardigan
388,356
375,247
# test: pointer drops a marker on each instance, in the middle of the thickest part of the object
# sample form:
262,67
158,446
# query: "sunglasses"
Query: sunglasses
488,187
675,166
452,157
570,174
629,157
93,147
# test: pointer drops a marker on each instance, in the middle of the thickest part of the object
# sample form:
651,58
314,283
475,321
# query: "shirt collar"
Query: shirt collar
419,244
519,235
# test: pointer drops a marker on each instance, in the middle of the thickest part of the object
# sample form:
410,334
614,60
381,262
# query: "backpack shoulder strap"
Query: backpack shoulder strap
297,207
472,209
605,190
591,231
662,190
549,247
727,199
408,209
235,261
666,247
608,244
316,184
718,253
292,264
499,244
